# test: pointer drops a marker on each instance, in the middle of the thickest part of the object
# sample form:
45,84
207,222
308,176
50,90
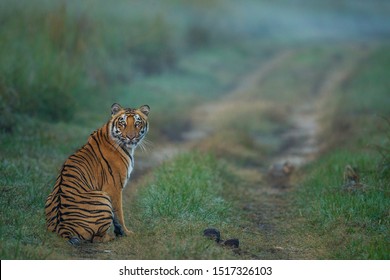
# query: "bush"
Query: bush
150,43
198,36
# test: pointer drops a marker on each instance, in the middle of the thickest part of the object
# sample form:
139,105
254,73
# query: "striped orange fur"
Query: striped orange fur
87,195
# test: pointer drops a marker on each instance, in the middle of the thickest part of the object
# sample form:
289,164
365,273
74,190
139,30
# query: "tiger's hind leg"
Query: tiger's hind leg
87,216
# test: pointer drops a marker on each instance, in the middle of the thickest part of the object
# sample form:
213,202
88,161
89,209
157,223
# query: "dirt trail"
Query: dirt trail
300,145
202,116
265,193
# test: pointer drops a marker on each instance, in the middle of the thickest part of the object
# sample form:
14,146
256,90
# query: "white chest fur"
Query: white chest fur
130,168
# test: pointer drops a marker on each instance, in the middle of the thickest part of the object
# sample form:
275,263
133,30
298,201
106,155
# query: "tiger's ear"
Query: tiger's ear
145,109
115,108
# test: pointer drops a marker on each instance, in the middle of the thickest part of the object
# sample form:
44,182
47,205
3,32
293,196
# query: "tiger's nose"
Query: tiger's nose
131,136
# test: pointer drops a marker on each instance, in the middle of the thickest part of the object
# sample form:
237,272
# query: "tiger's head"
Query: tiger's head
128,127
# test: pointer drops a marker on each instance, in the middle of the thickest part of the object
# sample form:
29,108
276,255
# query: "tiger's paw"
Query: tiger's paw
122,231
128,232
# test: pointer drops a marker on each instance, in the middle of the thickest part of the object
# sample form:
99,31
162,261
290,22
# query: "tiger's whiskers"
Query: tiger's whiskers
144,144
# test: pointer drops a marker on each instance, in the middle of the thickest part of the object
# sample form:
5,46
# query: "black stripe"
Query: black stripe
104,177
85,160
105,160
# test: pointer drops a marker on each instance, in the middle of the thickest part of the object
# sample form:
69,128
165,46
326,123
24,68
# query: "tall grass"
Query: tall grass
58,57
40,70
53,58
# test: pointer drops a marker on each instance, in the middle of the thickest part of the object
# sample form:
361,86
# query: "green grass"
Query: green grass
188,189
168,212
184,197
28,169
354,225
367,91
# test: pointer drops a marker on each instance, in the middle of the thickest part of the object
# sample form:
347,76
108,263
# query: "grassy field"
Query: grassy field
238,80
354,223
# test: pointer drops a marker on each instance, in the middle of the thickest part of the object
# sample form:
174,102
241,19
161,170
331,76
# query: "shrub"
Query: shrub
150,43
198,36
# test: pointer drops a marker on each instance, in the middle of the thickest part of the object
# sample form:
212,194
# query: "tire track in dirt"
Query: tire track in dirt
300,145
201,119
265,193
203,116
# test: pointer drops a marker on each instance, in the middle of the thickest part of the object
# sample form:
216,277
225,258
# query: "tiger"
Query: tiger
87,196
